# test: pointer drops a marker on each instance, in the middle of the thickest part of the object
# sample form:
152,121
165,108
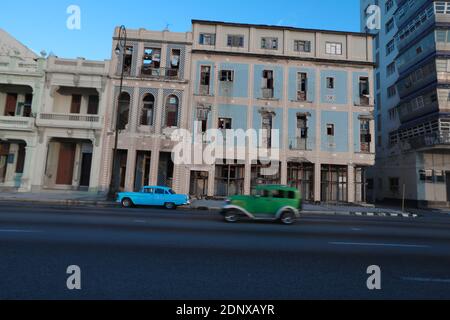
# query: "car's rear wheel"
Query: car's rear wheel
170,206
287,218
127,203
231,216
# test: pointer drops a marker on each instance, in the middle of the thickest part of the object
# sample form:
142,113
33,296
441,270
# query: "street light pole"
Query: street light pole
120,49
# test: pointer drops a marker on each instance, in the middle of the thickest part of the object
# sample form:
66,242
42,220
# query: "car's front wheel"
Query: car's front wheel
231,216
127,203
287,218
170,206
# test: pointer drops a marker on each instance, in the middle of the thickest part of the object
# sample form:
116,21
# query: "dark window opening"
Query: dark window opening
93,105
75,106
147,110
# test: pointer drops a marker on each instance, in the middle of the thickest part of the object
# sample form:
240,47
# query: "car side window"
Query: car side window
159,191
291,195
265,193
149,191
278,194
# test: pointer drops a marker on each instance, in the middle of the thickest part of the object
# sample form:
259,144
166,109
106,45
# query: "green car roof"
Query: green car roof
276,187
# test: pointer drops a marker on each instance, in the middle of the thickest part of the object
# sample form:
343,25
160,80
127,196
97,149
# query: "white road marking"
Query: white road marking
392,245
140,221
356,229
19,231
426,280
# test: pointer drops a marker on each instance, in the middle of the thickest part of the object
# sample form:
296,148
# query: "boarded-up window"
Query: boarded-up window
11,104
93,105
75,106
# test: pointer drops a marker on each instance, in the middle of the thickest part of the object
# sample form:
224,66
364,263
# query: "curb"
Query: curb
364,214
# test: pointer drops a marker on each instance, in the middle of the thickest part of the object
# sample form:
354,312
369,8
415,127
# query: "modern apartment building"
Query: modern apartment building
153,103
313,86
412,105
21,85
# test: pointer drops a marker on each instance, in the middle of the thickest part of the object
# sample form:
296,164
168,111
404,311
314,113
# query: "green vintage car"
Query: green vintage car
272,203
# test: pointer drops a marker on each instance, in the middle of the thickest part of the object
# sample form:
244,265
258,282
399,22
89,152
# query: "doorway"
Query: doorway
448,185
66,164
199,184
86,165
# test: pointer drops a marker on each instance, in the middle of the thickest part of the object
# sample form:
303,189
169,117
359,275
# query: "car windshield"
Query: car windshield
171,191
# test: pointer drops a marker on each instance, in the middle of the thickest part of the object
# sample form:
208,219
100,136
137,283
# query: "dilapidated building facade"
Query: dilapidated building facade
153,103
315,87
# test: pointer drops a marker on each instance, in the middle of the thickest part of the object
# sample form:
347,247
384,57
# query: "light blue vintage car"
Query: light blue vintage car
153,196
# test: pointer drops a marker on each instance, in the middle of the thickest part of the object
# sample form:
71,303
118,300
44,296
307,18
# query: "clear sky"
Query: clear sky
42,24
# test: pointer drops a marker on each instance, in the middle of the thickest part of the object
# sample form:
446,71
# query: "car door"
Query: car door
147,197
279,201
260,206
160,197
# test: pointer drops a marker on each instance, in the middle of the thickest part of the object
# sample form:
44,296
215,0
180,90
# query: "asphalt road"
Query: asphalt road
159,254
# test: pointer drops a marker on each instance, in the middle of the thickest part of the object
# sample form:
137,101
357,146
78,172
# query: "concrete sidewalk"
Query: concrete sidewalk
57,198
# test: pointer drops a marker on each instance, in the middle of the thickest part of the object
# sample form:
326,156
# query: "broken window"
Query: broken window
226,75
175,56
302,86
147,110
269,43
302,46
225,124
124,111
330,83
235,41
151,61
207,39
128,60
366,137
330,130
172,105
268,84
267,125
364,91
202,117
302,132
205,78
93,105
75,106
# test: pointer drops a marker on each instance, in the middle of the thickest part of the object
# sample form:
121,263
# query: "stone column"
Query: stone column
351,183
131,164
317,181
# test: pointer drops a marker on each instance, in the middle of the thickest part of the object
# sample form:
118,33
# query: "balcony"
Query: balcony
72,121
161,73
430,141
16,123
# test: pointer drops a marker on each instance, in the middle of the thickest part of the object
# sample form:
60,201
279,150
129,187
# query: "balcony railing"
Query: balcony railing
64,120
160,73
298,144
427,141
16,123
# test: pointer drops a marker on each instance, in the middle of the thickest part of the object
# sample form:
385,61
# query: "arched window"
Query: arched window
148,110
172,111
124,110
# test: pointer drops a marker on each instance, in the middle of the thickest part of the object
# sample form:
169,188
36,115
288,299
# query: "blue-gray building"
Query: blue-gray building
314,86
412,50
